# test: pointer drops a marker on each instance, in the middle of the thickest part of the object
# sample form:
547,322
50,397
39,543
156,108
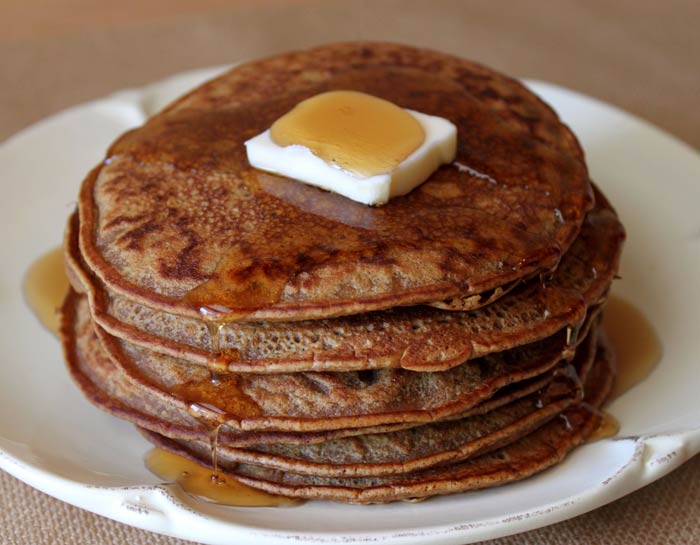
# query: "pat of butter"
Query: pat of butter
357,145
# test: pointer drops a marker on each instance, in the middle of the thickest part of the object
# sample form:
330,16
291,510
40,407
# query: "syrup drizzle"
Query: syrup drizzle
242,284
213,401
359,133
45,286
210,485
214,445
217,368
222,389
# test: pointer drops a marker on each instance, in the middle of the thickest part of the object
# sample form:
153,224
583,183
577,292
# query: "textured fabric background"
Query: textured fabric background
641,56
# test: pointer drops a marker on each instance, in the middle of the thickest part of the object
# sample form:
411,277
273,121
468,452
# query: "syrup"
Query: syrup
359,133
242,284
637,351
637,346
45,286
608,426
214,445
225,392
214,363
210,485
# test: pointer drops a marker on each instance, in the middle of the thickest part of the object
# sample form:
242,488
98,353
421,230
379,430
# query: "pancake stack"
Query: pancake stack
318,348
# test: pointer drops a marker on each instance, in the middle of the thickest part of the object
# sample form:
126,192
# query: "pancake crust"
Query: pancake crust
177,220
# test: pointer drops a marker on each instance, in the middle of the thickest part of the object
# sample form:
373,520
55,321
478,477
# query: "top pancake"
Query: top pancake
176,218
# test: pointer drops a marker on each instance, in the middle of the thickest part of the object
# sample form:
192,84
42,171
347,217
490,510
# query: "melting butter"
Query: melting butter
354,144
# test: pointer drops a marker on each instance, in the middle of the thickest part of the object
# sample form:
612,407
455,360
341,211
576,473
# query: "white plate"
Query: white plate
53,439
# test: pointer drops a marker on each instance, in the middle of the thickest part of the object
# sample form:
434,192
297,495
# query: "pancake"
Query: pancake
315,347
175,218
545,446
169,389
416,338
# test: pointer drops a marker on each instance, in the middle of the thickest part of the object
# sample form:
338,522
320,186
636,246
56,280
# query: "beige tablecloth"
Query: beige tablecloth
641,56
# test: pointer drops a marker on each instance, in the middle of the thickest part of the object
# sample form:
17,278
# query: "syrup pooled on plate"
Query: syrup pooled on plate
360,133
45,286
635,342
637,352
210,485
607,427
